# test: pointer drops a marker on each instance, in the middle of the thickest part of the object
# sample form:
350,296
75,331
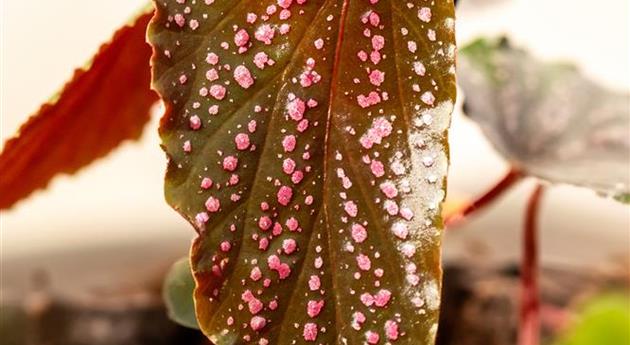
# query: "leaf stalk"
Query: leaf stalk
529,323
509,180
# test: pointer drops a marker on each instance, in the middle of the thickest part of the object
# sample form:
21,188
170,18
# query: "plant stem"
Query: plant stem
510,179
529,324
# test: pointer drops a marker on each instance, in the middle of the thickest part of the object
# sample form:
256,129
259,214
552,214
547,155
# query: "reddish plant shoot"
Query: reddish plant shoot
529,326
512,177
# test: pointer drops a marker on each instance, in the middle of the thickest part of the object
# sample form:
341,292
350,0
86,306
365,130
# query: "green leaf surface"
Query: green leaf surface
547,118
605,320
307,145
177,292
623,198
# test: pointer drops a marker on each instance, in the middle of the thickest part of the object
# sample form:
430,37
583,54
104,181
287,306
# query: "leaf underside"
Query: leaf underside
307,145
547,117
103,105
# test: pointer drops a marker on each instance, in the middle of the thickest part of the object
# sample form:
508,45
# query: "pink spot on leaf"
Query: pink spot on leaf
288,143
213,204
243,77
242,141
314,283
359,234
285,194
230,163
257,323
310,332
313,308
364,262
391,330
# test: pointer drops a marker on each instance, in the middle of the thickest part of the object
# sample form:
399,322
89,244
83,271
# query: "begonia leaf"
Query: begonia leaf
177,293
104,104
307,144
548,119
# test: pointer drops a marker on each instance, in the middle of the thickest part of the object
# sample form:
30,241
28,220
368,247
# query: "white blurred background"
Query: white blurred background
112,215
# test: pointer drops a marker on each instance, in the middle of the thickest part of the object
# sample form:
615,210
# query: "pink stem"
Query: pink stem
529,324
512,176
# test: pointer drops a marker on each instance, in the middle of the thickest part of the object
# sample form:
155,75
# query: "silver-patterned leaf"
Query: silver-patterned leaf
547,118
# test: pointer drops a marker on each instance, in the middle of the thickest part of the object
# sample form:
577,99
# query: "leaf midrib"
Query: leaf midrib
331,97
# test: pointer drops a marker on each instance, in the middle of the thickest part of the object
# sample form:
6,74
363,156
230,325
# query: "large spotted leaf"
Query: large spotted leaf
307,145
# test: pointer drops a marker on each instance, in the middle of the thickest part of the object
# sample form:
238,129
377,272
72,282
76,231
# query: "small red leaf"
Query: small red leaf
103,105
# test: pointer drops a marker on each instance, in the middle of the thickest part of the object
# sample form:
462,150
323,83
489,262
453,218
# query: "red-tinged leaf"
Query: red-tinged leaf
307,145
103,105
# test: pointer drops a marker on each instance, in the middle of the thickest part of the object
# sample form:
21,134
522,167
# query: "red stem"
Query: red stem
512,176
529,326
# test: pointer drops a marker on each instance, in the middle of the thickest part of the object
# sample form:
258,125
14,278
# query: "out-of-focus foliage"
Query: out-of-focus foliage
103,105
177,292
546,118
13,325
604,320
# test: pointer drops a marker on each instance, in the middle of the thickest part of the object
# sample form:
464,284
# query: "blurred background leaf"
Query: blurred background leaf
104,104
178,294
546,118
605,320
